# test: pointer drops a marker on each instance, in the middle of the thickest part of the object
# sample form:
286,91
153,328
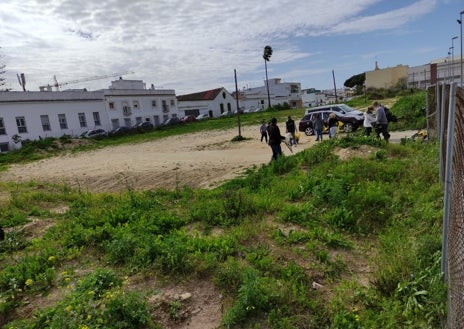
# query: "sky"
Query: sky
197,45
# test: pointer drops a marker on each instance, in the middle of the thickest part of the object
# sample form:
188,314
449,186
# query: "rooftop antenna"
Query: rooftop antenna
22,80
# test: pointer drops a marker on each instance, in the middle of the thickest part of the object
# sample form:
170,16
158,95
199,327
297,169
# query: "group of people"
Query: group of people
272,131
375,117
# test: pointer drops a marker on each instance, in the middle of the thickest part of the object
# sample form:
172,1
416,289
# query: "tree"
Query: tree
355,80
267,56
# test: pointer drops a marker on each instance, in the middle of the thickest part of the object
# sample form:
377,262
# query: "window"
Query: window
153,103
172,102
45,123
4,147
21,124
222,107
82,120
138,119
115,123
62,120
165,107
135,104
96,118
127,122
111,105
126,110
2,127
229,107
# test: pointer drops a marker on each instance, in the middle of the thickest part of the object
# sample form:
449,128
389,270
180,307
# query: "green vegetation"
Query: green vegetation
308,241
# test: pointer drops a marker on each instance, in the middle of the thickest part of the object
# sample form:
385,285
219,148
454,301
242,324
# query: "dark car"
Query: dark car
143,126
188,118
350,123
171,122
123,130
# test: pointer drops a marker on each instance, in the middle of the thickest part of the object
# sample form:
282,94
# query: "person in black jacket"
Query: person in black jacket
275,138
290,124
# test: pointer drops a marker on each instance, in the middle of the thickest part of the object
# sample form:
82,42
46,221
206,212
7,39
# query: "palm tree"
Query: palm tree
267,56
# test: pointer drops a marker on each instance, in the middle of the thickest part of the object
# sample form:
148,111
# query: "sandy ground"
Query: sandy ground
198,160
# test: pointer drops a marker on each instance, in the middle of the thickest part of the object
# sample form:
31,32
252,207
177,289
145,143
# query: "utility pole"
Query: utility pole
335,87
238,109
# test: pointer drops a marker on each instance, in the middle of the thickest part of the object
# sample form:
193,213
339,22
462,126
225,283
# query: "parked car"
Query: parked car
171,122
202,116
123,130
227,114
188,118
143,126
94,133
350,122
340,108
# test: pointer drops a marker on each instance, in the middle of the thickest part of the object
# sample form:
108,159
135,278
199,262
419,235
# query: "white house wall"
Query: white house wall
211,106
154,106
32,111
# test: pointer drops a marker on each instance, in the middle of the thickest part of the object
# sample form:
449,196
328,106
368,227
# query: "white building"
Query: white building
279,93
34,115
212,102
128,102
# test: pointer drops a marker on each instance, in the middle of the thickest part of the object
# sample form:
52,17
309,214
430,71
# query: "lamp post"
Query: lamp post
452,57
460,61
449,64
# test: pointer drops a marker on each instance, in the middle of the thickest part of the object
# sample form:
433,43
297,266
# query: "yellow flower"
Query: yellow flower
89,316
83,327
29,282
51,258
68,308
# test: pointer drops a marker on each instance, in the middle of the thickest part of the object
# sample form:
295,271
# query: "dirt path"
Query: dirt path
196,160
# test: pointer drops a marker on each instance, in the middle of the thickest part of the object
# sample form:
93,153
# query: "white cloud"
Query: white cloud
188,45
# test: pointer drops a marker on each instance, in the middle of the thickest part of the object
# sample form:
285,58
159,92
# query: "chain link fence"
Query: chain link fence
445,122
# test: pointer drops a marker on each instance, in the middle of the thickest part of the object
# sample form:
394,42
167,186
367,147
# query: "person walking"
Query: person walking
333,125
290,124
275,138
369,119
263,130
381,121
318,126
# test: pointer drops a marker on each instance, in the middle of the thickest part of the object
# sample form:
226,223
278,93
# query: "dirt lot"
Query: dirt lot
196,160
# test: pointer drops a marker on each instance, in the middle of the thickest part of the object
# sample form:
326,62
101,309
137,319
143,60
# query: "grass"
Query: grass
308,241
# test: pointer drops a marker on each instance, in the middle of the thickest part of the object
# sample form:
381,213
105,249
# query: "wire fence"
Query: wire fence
445,122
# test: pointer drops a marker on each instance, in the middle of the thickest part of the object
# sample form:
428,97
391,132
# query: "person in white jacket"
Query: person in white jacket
369,119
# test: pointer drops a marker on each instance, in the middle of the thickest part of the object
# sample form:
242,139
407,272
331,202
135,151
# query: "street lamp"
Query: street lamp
460,27
452,56
449,63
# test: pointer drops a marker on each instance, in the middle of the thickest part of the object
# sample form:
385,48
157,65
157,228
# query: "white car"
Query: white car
202,116
94,133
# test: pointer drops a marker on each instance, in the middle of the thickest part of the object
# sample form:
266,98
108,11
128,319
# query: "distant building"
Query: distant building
279,93
386,78
34,115
443,70
212,102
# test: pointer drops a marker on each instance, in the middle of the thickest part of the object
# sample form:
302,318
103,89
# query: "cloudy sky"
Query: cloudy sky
195,45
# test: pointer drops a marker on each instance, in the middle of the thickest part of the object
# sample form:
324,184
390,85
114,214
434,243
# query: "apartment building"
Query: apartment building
33,115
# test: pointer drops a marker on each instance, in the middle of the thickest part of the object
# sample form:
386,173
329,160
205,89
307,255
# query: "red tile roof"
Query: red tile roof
207,95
